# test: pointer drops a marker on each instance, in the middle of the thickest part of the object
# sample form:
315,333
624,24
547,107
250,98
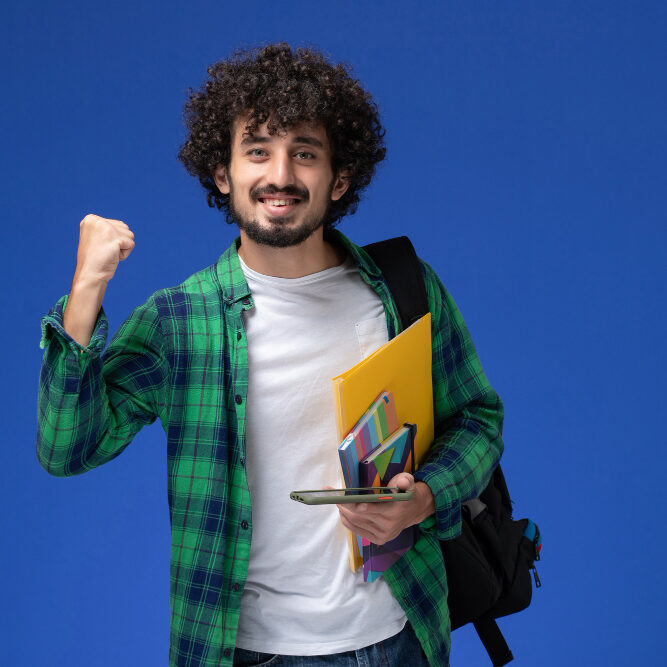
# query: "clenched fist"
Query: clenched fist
102,244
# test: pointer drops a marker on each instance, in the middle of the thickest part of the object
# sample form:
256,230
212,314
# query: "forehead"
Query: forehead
312,133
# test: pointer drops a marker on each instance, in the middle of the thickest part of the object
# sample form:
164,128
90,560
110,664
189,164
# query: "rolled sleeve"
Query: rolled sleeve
91,401
53,330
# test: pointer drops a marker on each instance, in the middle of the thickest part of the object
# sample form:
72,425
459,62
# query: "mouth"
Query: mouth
279,206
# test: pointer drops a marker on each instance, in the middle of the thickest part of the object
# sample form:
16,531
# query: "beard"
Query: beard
278,233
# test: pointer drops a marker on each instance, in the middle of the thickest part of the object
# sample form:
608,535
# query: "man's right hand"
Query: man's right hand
102,244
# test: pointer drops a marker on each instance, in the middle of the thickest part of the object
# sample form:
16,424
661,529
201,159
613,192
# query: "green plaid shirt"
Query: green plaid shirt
182,356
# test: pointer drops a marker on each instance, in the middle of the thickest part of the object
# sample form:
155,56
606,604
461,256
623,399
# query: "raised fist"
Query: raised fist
102,244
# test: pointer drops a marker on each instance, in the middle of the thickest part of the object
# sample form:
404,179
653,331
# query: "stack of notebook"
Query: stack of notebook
375,451
401,366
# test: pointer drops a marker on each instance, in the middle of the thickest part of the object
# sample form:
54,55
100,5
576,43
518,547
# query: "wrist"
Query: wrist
88,282
426,500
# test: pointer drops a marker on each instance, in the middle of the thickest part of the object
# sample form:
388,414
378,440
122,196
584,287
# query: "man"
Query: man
237,362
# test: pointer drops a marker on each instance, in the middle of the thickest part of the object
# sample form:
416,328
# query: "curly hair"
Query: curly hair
286,88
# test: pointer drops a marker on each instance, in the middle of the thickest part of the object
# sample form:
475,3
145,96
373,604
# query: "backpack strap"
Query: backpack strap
397,260
493,640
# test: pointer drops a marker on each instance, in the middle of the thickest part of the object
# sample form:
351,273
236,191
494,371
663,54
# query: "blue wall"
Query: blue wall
526,159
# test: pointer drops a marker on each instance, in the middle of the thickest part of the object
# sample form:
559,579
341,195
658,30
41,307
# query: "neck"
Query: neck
313,255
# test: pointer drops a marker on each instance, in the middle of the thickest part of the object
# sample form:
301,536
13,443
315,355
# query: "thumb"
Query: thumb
404,481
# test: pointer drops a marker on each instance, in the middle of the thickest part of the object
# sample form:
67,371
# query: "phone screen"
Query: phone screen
376,490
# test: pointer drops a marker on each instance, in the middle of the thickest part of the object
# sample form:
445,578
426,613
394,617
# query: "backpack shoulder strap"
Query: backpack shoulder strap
397,260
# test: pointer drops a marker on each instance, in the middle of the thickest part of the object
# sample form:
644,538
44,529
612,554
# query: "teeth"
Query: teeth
278,202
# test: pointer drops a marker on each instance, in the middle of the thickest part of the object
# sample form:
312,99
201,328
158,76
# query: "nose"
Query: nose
281,169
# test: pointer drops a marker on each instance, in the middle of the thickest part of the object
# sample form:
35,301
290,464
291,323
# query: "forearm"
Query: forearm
71,420
83,307
461,461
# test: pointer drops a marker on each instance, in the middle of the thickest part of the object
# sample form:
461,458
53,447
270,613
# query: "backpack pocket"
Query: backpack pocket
476,585
523,541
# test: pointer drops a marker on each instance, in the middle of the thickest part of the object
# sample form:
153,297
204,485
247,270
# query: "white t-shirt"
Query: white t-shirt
300,597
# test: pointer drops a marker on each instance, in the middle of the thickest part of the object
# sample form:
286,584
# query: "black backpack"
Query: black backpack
488,565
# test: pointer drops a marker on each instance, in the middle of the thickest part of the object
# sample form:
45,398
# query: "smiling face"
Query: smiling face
279,186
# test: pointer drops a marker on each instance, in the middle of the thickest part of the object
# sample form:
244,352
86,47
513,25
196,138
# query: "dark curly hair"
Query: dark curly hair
285,88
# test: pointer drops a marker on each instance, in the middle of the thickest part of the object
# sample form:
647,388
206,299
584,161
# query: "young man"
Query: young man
237,363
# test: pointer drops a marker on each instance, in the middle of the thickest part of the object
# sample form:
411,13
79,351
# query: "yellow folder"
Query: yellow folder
402,366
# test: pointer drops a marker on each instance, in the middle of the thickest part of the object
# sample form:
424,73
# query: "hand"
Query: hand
382,522
102,244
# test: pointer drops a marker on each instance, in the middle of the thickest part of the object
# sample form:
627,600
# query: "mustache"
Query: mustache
288,191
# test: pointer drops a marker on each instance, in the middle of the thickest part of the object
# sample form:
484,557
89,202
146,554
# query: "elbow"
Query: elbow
57,466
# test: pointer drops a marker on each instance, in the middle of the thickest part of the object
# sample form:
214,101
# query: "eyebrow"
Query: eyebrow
305,139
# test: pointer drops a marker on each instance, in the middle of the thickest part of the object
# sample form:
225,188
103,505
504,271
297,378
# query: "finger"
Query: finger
359,530
349,507
404,481
126,247
117,223
354,511
362,522
369,510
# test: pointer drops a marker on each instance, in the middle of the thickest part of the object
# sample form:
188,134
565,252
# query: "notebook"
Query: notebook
376,424
392,456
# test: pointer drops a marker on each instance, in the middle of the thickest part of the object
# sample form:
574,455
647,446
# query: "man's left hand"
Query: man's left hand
383,521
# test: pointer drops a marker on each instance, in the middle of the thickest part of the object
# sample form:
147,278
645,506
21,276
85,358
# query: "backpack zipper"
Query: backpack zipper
536,576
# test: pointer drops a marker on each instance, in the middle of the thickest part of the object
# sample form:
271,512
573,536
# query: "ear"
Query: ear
341,184
220,177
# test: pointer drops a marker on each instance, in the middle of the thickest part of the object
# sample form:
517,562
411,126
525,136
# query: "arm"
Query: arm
468,415
91,405
468,420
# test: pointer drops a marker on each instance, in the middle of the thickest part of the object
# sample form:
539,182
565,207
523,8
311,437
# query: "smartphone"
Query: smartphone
368,494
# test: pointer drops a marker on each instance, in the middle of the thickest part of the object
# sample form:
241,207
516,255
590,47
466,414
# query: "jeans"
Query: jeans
401,650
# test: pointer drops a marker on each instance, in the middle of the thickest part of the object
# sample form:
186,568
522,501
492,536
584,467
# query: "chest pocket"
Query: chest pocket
371,334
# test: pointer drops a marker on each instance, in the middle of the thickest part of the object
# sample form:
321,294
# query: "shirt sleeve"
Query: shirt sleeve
468,416
92,403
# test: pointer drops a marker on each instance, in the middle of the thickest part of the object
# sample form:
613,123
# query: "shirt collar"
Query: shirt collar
235,287
360,257
230,274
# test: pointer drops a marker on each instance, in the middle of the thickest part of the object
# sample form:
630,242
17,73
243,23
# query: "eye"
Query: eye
253,152
306,153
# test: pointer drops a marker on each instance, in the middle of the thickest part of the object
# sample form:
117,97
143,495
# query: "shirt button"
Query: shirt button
238,399
246,301
242,461
239,335
227,652
244,524
236,588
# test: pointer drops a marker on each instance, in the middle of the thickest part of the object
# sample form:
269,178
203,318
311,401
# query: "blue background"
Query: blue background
526,159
